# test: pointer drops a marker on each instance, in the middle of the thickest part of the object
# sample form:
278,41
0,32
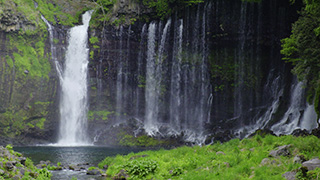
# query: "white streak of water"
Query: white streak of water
73,104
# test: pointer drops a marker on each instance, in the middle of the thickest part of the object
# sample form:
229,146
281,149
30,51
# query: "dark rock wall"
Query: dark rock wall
242,44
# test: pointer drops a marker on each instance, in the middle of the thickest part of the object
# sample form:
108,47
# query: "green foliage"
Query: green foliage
164,8
30,56
241,160
138,169
102,12
107,161
302,49
58,11
139,141
92,115
94,40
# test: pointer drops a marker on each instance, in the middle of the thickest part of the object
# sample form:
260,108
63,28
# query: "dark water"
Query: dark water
72,155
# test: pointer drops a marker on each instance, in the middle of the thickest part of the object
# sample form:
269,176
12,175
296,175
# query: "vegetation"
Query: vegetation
19,167
164,8
302,49
232,160
140,141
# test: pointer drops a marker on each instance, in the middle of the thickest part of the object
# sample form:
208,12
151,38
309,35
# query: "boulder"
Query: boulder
281,151
290,175
299,159
312,164
74,167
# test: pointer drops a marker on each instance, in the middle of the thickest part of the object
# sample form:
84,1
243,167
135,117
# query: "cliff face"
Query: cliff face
206,70
29,85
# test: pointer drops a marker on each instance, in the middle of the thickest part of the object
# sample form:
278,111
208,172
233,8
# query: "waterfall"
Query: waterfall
175,89
151,83
53,48
120,78
140,75
297,114
73,104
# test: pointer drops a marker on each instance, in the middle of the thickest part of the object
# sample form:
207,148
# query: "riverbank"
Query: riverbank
268,157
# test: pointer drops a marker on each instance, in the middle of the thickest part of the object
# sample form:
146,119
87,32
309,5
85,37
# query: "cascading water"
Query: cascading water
73,105
206,70
52,47
297,114
151,83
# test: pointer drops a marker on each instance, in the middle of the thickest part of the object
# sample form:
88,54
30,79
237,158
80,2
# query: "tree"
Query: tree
302,49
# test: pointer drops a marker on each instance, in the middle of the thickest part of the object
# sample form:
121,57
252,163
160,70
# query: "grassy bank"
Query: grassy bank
236,159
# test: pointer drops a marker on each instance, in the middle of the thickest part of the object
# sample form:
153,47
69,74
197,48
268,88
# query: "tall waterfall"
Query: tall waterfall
73,104
205,71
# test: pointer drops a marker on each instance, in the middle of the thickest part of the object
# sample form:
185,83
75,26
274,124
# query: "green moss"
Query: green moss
29,57
9,61
165,8
92,115
94,40
40,123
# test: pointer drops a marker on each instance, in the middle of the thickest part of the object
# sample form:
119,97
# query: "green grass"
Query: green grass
241,160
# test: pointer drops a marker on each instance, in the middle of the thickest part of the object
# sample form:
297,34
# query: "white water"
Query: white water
73,104
298,115
151,81
53,48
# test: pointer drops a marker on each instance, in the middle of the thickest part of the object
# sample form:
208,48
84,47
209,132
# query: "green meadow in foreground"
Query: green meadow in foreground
236,159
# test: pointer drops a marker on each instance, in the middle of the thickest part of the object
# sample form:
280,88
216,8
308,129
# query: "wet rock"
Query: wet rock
262,132
281,151
74,167
290,175
312,164
300,132
93,172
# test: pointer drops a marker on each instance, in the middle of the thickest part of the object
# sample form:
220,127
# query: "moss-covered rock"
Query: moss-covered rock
14,166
